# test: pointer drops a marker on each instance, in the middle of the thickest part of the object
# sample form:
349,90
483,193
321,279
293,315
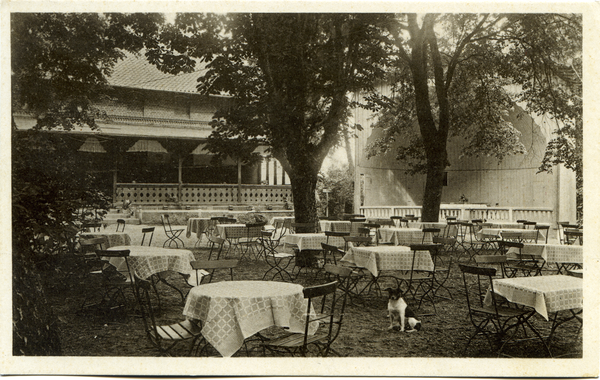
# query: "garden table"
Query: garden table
420,225
523,234
232,311
560,254
114,238
281,219
147,261
376,259
199,226
546,295
312,240
402,236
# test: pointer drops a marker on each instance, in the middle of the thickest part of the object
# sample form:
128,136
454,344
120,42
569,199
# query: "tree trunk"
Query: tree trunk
305,202
432,197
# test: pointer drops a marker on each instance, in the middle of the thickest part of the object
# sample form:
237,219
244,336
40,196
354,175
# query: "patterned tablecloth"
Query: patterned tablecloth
553,253
496,233
234,231
546,294
312,240
114,238
146,261
335,225
280,219
510,225
199,226
232,311
421,225
402,236
379,258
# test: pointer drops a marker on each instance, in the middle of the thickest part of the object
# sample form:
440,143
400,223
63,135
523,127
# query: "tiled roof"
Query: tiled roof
135,71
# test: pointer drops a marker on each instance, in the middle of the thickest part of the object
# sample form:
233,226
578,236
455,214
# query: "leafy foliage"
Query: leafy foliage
450,80
59,64
340,184
289,77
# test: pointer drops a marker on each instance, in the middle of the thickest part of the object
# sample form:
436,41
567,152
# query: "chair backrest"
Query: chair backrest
363,231
121,225
89,226
386,223
486,260
93,244
512,236
546,233
216,245
141,291
305,227
108,270
336,233
211,266
358,220
529,224
572,236
505,245
356,241
327,311
477,281
147,230
166,222
330,252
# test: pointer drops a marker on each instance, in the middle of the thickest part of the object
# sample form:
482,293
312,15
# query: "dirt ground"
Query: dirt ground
364,332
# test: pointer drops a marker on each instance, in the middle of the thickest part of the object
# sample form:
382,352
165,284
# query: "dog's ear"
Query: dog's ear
389,290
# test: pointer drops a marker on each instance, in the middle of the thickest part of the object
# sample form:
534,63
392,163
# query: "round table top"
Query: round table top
135,250
245,289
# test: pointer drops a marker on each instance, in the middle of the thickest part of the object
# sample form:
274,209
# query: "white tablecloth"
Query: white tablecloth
488,233
114,238
553,253
198,226
234,231
379,258
547,294
335,225
312,240
282,219
402,236
421,225
146,261
232,311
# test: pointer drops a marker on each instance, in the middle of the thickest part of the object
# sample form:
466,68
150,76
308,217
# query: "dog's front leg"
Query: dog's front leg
391,317
402,318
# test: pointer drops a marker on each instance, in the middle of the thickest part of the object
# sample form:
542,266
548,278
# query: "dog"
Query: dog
399,311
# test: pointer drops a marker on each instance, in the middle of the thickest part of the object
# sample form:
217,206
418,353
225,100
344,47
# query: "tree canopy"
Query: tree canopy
450,78
59,65
289,77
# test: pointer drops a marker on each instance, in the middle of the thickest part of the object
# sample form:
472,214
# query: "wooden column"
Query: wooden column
239,181
180,179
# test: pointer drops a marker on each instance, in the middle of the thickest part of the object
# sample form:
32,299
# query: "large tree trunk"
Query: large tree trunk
305,202
432,197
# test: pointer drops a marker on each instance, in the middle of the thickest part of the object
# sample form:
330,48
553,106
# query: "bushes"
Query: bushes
50,188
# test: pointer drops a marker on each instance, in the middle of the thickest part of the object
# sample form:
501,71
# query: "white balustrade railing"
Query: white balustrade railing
466,212
209,194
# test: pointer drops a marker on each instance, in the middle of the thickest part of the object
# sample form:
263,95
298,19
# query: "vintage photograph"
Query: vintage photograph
304,192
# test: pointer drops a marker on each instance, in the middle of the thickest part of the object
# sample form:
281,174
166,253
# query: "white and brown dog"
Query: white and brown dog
399,312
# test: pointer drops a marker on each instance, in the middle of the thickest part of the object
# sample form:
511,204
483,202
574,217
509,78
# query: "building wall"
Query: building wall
514,181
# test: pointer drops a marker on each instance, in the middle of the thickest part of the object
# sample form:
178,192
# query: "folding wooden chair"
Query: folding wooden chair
490,319
330,315
146,231
277,261
121,225
163,337
211,266
172,234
